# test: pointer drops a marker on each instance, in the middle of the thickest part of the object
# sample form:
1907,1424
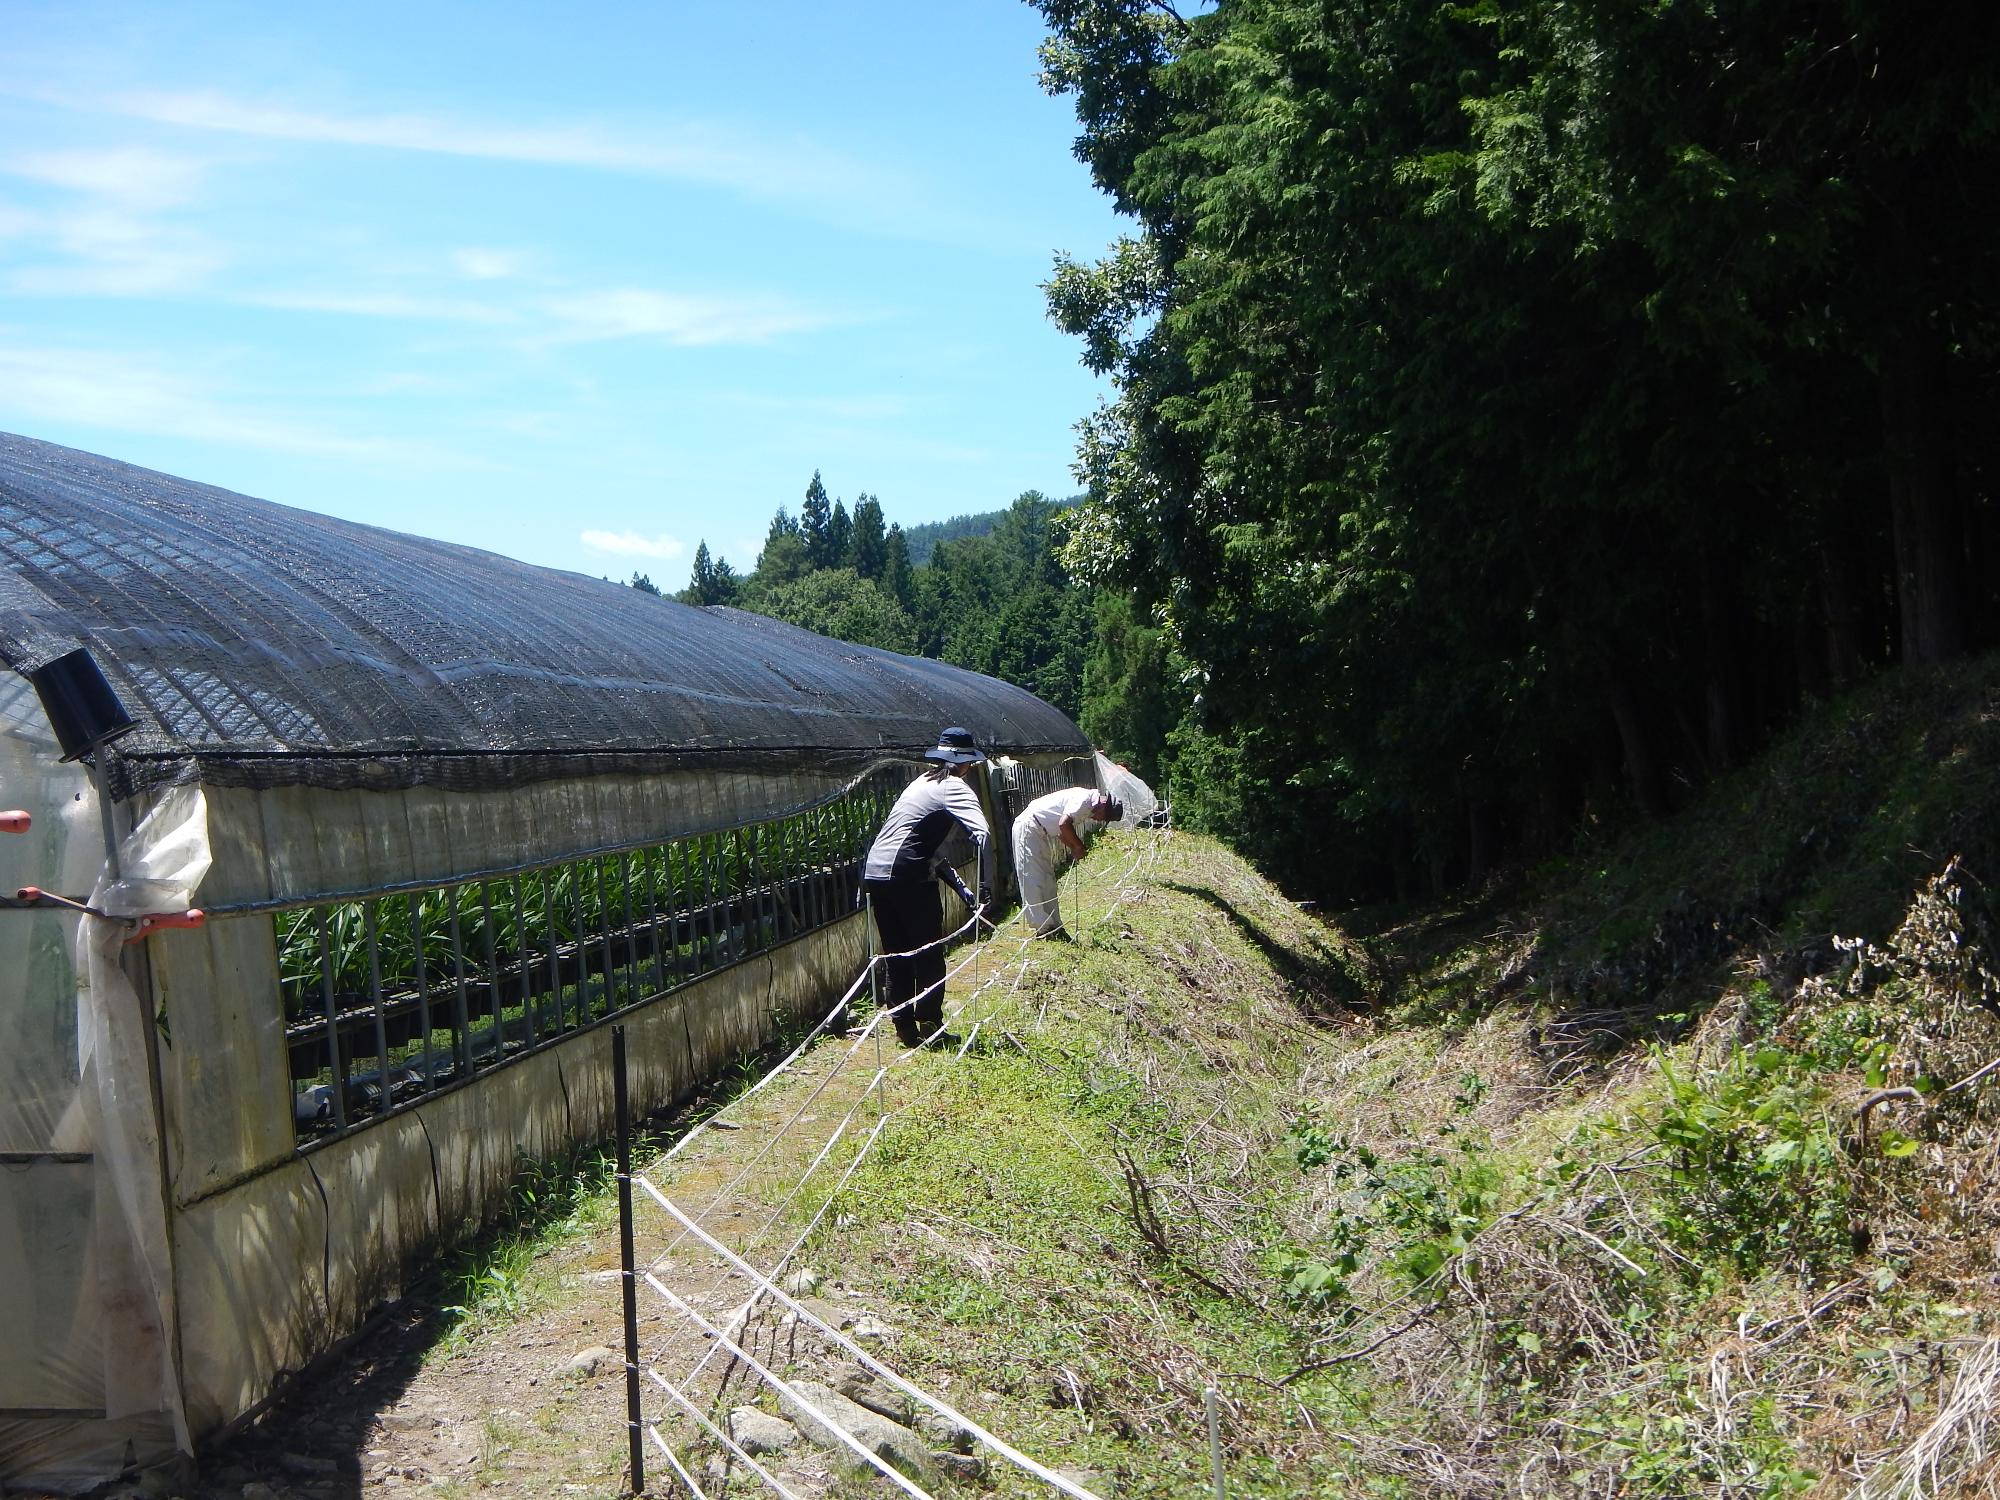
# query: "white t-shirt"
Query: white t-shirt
1045,814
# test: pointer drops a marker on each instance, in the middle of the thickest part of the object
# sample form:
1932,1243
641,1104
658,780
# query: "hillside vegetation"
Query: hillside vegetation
1665,1170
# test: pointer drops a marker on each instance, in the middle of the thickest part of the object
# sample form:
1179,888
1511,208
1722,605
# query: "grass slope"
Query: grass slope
1566,1190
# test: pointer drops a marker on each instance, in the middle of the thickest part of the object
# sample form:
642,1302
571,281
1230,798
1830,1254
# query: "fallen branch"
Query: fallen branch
1577,1229
1421,1315
1152,1229
1879,1097
1846,1291
1971,1078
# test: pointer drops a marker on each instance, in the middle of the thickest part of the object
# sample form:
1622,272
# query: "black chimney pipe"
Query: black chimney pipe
83,709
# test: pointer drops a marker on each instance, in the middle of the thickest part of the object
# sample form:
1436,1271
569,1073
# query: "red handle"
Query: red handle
34,895
142,926
15,822
153,923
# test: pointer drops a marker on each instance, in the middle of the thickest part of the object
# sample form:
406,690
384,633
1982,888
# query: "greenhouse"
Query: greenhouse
371,834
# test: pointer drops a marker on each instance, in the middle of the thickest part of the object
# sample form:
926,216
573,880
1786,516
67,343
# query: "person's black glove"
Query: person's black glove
986,898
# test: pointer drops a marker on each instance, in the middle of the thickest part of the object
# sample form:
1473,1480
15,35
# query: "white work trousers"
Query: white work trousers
1035,855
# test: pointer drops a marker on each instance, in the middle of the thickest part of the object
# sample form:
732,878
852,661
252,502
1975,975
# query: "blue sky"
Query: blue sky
580,284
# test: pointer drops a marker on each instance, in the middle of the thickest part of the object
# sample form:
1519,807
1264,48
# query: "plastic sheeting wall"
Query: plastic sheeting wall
299,844
72,1409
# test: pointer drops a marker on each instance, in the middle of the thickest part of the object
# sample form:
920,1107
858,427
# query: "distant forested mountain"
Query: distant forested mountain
921,539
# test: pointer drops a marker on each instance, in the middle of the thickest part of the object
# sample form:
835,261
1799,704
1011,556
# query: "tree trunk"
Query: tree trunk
1642,777
1924,510
1716,674
1836,601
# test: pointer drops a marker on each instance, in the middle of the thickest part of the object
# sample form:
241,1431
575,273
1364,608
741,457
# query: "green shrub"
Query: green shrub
1755,1176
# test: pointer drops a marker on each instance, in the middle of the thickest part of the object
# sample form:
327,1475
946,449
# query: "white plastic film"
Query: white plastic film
159,864
162,861
1140,803
85,1383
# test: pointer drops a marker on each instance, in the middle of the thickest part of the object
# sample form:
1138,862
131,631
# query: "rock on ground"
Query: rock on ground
801,1283
759,1432
885,1439
860,1386
587,1361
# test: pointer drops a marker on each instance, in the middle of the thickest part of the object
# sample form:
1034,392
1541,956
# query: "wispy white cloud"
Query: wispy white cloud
110,237
118,234
107,252
631,544
488,265
381,305
126,393
138,177
677,318
693,152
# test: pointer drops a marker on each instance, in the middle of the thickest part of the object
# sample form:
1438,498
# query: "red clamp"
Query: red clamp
143,926
15,822
152,922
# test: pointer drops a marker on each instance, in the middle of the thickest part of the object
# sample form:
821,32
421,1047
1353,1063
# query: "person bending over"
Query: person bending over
1045,831
901,875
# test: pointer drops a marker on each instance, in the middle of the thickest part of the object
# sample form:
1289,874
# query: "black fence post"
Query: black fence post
634,1418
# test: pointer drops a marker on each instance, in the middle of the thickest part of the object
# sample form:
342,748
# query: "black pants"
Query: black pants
909,914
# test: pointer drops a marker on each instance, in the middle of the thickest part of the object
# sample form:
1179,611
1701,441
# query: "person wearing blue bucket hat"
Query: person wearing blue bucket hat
900,880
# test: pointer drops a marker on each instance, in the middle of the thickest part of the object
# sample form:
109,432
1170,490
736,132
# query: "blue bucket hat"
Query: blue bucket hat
955,747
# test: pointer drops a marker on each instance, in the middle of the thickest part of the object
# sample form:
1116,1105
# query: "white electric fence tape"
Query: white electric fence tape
717,1432
766,1287
868,1361
839,1008
674,1458
771,1377
825,1023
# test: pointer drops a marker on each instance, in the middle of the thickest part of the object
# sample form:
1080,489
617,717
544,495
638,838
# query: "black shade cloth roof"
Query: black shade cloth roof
260,645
